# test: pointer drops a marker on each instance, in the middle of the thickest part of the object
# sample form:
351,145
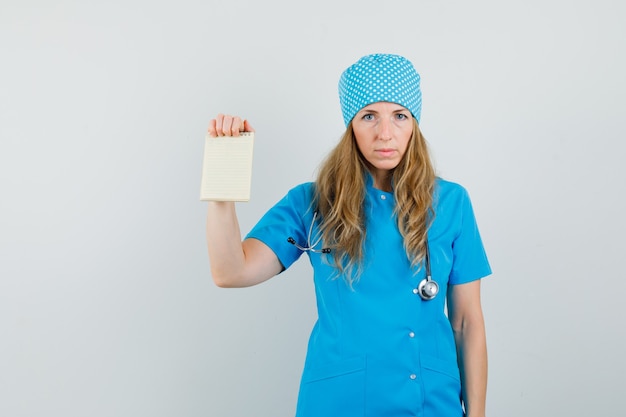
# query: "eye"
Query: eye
402,116
368,116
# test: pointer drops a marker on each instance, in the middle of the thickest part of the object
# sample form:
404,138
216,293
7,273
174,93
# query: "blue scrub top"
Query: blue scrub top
378,349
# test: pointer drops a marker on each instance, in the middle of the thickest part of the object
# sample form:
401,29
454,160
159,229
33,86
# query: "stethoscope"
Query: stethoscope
427,288
310,246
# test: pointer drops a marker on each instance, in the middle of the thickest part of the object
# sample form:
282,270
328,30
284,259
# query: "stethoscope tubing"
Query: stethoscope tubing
427,288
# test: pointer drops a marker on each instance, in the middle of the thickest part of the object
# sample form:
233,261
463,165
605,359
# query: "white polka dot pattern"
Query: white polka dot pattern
379,77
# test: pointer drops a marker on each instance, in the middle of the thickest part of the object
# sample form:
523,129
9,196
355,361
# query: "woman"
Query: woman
392,247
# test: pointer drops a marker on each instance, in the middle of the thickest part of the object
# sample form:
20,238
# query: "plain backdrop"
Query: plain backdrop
107,306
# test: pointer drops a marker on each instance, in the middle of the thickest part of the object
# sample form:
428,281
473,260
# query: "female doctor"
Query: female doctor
396,254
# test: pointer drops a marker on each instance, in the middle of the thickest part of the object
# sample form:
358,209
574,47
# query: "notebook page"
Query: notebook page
227,168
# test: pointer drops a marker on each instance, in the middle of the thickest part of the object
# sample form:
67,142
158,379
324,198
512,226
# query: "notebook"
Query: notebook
227,168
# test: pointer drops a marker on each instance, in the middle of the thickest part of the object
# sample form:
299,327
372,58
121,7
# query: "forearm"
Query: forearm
223,236
472,356
235,263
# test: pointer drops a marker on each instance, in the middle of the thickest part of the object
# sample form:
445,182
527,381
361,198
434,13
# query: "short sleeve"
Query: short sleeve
469,257
283,221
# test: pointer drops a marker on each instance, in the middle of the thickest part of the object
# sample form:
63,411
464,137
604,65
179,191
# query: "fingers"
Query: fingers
212,128
226,125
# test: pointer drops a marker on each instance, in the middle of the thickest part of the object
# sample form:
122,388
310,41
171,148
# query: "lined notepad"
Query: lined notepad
227,168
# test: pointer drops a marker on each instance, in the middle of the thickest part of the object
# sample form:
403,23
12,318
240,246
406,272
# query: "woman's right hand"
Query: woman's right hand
227,125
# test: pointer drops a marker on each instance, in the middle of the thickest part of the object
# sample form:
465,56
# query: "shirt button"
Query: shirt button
412,376
411,334
383,197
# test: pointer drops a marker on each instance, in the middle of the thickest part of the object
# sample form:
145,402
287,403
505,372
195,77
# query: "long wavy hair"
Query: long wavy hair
340,196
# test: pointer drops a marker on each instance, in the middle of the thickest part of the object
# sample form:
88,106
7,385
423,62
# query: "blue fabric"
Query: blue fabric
379,77
379,349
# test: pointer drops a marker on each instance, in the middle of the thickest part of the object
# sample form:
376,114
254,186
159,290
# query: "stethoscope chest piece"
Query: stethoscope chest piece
428,289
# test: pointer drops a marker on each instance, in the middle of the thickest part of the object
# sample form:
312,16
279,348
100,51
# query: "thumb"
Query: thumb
247,127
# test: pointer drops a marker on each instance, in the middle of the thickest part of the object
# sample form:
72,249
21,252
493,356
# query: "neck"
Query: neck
382,181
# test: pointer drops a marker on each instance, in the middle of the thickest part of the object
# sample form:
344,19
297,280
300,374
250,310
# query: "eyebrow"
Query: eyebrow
399,110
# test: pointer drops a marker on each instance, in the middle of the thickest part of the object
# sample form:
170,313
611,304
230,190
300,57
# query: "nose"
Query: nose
384,129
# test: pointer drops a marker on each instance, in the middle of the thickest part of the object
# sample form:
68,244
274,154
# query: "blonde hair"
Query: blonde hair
340,197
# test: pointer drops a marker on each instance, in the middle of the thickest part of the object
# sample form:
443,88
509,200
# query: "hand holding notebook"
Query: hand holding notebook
227,163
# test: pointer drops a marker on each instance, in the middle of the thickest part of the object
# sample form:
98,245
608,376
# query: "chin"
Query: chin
387,166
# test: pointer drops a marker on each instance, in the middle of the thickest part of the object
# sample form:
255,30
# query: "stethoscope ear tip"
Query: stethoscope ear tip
310,245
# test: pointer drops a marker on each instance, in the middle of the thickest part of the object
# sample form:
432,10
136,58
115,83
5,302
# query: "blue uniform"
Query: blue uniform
378,349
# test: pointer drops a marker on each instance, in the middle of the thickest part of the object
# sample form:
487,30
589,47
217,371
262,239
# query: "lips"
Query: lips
386,152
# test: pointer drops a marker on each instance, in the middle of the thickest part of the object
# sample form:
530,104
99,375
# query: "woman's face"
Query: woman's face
383,131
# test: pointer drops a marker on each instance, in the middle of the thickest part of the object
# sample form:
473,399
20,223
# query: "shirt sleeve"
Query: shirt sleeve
469,257
283,221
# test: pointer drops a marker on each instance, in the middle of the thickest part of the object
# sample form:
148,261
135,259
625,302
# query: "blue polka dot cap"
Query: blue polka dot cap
379,77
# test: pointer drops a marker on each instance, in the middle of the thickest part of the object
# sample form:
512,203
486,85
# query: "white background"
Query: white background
107,306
